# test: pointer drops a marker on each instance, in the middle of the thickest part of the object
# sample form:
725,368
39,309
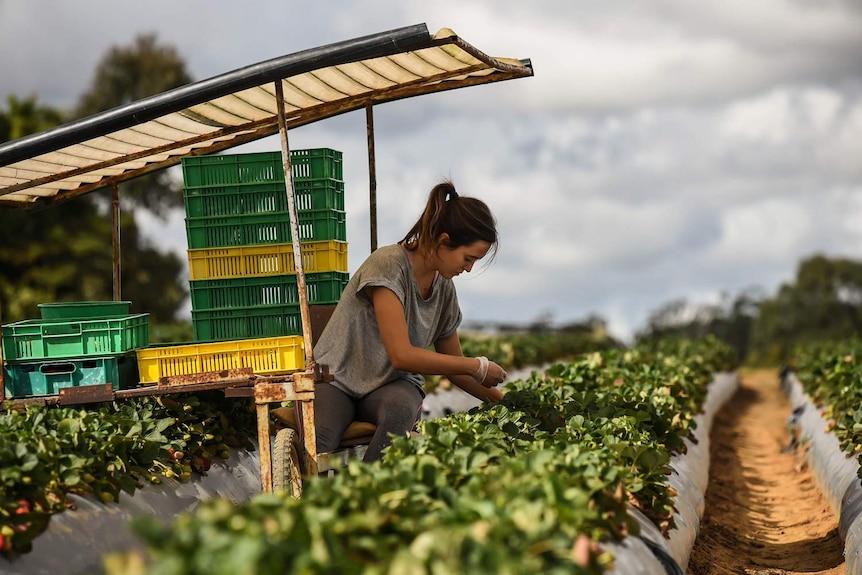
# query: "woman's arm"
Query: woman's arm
403,354
452,346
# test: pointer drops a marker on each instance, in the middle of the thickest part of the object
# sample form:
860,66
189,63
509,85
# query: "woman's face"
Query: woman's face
453,261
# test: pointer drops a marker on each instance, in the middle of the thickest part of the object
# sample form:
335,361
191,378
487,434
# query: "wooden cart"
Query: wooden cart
206,117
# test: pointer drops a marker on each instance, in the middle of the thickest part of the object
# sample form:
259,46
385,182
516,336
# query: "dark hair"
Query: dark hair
465,220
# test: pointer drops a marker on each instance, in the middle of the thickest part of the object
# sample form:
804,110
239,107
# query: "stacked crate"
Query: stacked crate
74,344
241,265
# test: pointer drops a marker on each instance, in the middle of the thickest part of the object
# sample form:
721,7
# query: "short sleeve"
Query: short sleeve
380,269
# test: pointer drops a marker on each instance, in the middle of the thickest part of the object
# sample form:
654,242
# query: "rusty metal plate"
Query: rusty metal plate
272,392
206,377
86,394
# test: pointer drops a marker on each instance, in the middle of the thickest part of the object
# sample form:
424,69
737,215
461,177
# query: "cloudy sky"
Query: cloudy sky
664,149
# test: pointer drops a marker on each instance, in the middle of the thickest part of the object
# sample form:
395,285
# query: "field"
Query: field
589,466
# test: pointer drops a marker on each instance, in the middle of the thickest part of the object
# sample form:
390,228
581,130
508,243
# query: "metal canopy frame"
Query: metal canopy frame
238,107
225,111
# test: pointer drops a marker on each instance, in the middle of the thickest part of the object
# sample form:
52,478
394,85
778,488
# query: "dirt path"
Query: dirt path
764,512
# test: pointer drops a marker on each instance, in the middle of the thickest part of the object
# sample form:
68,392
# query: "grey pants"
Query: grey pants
393,408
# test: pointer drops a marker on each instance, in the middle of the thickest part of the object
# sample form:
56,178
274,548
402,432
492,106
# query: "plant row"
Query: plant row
519,350
831,374
47,453
531,484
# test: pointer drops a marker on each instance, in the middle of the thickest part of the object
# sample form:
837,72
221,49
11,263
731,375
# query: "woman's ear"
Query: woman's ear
443,239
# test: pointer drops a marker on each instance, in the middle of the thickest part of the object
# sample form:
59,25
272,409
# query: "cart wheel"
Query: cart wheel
286,473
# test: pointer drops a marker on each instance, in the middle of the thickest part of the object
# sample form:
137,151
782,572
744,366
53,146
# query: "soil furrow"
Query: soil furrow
764,512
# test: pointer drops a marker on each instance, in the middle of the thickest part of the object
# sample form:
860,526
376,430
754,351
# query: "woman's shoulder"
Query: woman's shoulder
386,257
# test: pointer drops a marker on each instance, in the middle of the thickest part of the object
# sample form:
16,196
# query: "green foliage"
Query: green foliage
831,374
103,451
24,117
503,488
518,350
64,254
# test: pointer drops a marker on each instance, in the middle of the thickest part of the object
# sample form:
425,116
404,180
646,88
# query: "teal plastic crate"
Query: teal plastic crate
83,309
322,288
45,339
36,378
260,167
247,199
220,232
246,323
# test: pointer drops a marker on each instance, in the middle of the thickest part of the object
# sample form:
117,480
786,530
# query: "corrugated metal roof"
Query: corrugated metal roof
238,107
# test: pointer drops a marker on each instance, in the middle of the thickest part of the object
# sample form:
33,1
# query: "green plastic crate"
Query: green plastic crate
83,309
260,167
35,378
247,199
316,163
322,288
44,339
246,323
228,231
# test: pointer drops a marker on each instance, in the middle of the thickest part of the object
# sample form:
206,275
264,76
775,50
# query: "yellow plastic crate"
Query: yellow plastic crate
266,356
266,260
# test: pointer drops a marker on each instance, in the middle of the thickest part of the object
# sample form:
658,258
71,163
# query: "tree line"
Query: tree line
822,303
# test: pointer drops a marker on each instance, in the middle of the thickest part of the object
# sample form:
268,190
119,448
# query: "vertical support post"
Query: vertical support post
115,239
294,228
372,175
305,382
309,436
2,371
264,447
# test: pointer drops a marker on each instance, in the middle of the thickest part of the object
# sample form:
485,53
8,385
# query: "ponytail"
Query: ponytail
465,220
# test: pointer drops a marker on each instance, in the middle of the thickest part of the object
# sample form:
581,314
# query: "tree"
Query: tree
824,302
25,117
128,74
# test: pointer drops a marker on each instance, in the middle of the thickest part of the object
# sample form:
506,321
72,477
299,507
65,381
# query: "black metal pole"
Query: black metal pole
115,239
372,175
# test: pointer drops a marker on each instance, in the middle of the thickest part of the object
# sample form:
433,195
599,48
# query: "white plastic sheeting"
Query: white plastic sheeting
834,471
76,540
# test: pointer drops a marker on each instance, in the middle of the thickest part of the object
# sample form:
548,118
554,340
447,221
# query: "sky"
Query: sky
664,149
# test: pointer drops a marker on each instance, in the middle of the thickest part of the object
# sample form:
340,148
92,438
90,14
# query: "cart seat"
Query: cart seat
357,433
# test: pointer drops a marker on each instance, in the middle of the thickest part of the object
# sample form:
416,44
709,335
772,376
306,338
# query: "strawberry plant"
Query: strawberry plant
831,374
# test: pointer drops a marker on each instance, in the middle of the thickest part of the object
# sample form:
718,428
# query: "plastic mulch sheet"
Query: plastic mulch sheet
76,540
834,471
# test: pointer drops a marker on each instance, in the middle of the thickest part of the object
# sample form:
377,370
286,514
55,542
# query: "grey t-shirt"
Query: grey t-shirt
351,344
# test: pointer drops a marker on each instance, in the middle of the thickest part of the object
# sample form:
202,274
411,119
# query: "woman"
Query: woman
398,303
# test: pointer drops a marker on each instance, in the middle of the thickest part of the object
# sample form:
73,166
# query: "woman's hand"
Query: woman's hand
489,373
493,395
